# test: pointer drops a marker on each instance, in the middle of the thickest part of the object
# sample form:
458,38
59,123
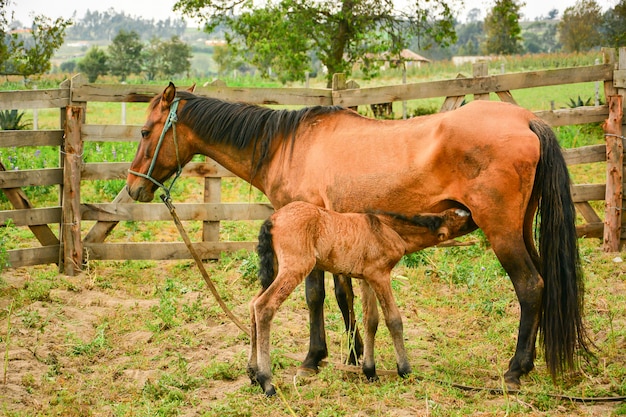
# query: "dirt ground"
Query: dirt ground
56,360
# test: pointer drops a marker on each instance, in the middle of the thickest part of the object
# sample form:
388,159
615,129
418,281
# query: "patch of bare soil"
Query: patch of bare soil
57,355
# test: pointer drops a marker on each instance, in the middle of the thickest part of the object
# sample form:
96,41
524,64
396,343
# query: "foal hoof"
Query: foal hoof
270,392
404,372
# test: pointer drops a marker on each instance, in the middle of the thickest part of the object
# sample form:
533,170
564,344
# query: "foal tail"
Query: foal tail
265,249
561,323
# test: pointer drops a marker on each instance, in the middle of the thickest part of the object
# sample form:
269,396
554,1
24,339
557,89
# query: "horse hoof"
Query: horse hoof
270,392
303,372
512,383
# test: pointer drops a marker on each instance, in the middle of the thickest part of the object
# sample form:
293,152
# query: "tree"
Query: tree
502,28
614,26
285,35
166,58
29,54
579,29
176,56
94,64
125,57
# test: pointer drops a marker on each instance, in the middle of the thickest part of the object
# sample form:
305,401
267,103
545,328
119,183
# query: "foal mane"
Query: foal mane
243,124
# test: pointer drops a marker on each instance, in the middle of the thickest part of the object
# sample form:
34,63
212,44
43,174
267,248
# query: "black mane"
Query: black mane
242,124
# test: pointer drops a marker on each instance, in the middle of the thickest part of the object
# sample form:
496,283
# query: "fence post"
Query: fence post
480,69
614,174
71,244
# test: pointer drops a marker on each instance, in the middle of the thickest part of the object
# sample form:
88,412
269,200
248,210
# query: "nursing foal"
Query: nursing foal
301,236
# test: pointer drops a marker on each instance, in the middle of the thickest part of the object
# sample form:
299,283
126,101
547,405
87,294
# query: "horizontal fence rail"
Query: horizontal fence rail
73,97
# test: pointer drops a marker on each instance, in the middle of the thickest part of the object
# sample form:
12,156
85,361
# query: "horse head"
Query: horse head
160,153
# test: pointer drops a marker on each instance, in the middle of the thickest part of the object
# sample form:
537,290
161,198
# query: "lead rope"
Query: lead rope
168,203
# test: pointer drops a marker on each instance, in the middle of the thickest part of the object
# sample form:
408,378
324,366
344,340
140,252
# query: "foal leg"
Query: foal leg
393,320
315,294
370,326
345,298
265,307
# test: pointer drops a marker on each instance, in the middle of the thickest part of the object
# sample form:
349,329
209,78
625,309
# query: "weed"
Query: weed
166,311
249,268
4,239
98,343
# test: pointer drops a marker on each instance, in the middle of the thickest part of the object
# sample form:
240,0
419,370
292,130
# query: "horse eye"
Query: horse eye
145,133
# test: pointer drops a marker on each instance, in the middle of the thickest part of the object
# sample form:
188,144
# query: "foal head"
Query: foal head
162,152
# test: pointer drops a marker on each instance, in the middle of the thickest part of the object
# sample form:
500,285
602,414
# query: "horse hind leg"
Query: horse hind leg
519,265
318,350
345,299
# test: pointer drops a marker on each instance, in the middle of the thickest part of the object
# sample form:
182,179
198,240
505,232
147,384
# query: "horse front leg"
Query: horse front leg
345,299
252,358
370,326
318,350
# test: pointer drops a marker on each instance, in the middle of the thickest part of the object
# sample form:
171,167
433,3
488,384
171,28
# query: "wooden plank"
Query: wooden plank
18,138
585,154
186,211
34,99
590,230
588,213
111,133
33,256
452,102
19,200
506,96
481,85
31,177
619,78
72,257
162,251
588,192
576,115
119,170
32,217
144,93
99,231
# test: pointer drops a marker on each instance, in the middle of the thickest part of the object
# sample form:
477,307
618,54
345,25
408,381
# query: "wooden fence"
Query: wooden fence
73,246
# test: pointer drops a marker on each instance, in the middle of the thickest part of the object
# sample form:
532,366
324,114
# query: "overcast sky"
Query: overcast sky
162,9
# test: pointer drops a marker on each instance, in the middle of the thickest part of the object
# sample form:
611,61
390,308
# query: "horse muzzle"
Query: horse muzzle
140,193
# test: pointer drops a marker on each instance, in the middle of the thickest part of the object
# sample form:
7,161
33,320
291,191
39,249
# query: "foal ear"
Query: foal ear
168,96
192,88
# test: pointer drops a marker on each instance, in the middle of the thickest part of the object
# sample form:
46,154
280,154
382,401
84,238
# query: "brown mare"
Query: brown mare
301,236
495,160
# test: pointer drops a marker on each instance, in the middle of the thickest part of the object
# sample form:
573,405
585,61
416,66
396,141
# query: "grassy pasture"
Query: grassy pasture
148,340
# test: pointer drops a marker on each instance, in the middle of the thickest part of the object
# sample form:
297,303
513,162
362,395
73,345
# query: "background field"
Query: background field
145,338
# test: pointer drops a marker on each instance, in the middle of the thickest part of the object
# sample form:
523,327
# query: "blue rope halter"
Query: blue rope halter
171,121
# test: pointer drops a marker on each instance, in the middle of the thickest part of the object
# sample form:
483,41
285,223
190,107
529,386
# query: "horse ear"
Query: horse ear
192,88
168,96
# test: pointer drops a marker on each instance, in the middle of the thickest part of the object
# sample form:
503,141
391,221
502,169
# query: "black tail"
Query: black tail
265,249
561,325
